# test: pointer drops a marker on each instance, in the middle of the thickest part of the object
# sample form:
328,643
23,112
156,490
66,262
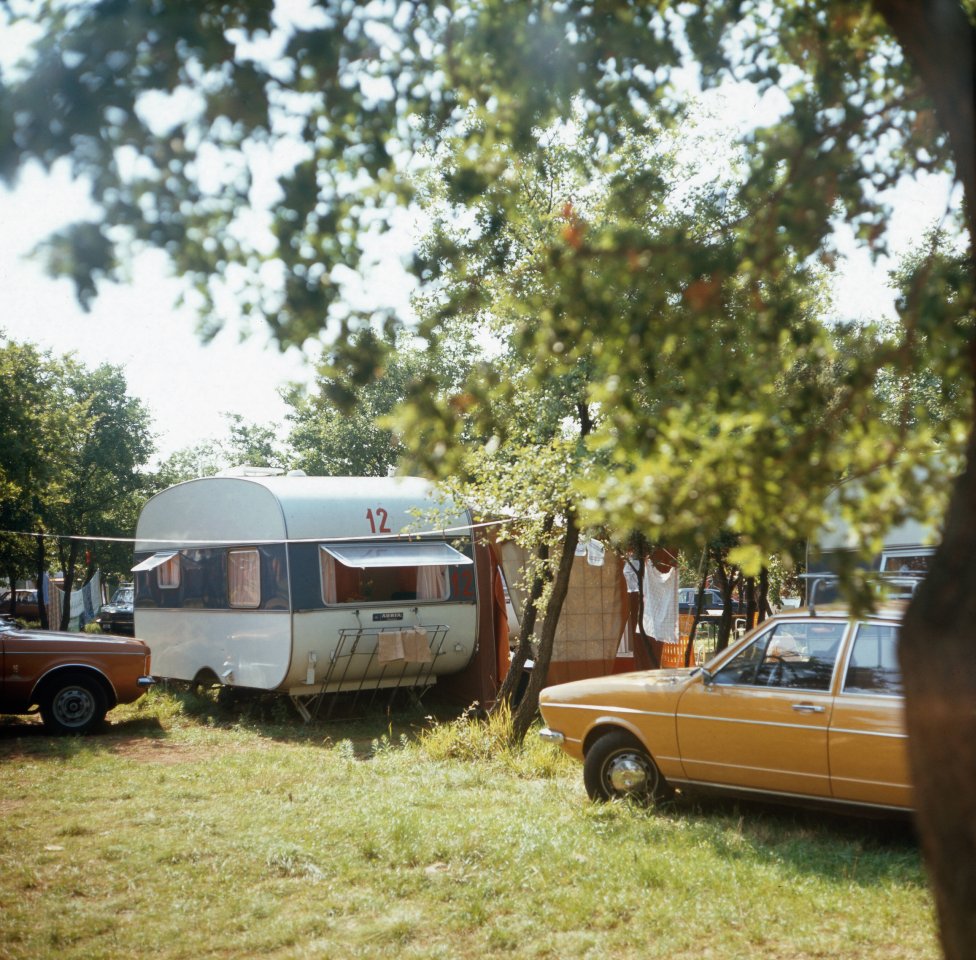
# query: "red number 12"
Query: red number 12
381,517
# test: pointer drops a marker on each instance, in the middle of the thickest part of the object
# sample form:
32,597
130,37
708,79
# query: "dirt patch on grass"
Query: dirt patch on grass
28,740
149,750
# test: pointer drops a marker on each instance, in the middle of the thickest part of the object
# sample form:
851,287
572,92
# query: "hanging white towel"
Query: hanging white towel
661,604
632,574
593,550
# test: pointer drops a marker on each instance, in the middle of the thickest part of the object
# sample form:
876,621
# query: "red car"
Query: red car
73,679
24,602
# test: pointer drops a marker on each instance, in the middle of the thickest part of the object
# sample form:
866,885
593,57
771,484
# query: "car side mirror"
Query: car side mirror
707,678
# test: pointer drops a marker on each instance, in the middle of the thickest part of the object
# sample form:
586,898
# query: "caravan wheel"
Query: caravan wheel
204,683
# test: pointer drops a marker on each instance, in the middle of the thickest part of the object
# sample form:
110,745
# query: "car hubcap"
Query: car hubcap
627,774
73,707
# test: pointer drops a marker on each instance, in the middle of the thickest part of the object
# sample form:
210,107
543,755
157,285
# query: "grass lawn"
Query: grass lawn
186,832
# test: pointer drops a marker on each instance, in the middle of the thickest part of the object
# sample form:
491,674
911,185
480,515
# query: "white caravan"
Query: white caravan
305,585
906,548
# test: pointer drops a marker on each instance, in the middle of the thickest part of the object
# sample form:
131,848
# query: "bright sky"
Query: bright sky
187,385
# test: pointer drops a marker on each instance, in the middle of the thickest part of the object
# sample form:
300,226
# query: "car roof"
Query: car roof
889,610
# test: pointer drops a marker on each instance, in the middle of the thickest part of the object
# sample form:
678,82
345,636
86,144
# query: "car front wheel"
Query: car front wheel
617,766
73,704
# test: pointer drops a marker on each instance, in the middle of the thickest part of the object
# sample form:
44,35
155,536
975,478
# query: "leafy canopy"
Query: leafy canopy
259,146
72,457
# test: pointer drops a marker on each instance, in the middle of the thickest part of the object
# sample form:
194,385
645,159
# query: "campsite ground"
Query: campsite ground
188,831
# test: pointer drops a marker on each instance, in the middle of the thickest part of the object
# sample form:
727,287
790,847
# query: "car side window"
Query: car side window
743,667
873,667
795,655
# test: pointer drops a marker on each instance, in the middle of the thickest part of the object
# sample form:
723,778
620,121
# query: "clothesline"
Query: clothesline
413,535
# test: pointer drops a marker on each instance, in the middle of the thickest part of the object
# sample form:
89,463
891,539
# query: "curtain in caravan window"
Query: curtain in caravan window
168,573
328,577
387,572
243,578
433,583
166,563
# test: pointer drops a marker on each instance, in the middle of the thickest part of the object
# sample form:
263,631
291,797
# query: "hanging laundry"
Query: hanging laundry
90,599
661,604
632,573
595,552
84,603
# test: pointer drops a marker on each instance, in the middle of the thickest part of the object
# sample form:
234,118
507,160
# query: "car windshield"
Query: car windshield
123,595
690,594
23,596
797,654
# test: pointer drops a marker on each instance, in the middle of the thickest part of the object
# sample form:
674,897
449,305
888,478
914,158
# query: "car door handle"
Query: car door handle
808,708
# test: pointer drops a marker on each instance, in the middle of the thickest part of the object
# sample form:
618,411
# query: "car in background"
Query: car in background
117,616
73,679
25,602
713,605
807,706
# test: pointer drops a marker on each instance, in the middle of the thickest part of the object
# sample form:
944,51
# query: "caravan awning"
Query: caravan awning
366,556
156,560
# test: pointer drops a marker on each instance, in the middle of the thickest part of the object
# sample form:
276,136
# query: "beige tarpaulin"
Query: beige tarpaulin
406,646
594,613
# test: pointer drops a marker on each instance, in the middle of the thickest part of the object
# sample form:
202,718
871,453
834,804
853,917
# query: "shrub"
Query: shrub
490,739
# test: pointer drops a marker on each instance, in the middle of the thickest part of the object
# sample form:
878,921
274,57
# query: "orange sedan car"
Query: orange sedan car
807,706
73,678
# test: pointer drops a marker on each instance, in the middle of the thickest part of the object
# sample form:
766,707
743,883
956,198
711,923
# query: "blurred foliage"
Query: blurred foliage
263,146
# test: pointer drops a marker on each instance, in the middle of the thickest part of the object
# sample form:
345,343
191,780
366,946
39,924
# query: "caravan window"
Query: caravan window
166,563
243,578
214,578
388,573
906,561
910,562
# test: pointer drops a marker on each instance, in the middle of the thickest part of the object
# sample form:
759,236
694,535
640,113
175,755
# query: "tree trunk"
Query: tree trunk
529,704
41,570
67,583
938,657
729,581
752,604
699,609
523,649
762,602
937,642
12,581
939,39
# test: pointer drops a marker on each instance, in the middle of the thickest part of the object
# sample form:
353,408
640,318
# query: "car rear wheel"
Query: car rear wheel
617,766
73,703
